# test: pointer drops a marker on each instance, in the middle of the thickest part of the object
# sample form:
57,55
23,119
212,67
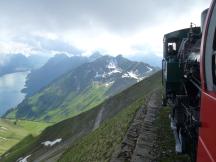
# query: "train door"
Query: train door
207,131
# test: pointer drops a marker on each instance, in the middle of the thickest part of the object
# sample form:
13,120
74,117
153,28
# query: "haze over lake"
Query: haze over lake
10,90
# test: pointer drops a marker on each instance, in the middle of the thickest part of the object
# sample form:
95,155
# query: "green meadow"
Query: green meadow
12,131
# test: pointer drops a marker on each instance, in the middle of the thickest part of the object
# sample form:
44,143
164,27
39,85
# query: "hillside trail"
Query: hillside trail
139,141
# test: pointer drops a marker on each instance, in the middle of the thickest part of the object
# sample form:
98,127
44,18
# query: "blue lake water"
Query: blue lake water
10,90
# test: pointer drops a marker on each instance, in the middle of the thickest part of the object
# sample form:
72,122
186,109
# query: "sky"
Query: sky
74,27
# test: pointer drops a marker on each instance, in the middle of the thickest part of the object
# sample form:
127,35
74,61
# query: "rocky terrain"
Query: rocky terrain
139,141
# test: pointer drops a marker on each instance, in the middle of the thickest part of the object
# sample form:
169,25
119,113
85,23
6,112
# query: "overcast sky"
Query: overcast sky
113,27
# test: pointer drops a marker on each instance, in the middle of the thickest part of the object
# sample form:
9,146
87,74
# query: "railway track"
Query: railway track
139,141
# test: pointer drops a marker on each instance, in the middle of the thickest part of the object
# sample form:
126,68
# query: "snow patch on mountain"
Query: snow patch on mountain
133,74
104,75
51,143
25,159
98,75
117,70
107,84
149,69
112,64
113,67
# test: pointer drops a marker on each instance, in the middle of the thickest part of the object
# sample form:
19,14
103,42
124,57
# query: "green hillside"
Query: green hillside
59,105
12,131
116,114
99,145
81,89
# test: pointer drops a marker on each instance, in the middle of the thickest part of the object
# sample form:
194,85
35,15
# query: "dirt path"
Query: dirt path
138,142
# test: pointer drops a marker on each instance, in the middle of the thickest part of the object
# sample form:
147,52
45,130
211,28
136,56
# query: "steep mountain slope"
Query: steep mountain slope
82,89
12,131
105,126
55,67
94,56
37,60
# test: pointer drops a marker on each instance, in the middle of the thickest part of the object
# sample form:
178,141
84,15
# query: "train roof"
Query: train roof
180,34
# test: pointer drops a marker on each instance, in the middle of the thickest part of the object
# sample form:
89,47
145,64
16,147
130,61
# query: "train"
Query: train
189,81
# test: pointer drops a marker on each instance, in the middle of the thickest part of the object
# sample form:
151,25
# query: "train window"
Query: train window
171,48
173,45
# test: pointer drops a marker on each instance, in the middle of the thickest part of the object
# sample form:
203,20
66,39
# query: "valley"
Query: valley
77,101
80,138
12,131
107,81
81,88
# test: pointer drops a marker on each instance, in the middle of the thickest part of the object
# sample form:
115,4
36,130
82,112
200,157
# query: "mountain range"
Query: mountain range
54,68
92,135
79,85
19,63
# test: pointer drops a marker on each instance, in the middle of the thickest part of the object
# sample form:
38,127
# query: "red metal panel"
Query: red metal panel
207,132
207,136
202,152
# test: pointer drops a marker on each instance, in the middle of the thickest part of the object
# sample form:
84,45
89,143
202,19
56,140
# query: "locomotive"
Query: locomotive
189,81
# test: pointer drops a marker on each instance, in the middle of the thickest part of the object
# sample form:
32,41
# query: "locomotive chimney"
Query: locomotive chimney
203,17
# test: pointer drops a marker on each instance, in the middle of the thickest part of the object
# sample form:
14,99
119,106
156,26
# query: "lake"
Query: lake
10,90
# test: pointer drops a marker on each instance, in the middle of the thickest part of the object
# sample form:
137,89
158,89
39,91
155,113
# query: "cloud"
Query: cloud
57,15
115,26
37,43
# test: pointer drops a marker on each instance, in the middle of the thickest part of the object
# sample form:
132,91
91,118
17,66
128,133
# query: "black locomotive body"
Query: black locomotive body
182,85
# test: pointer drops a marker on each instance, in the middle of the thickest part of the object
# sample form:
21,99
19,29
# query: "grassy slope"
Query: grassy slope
72,105
99,145
76,104
111,131
66,129
12,133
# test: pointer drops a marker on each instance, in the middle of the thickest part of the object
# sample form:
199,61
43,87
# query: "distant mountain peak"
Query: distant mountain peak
58,57
112,64
61,55
120,56
95,56
81,87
